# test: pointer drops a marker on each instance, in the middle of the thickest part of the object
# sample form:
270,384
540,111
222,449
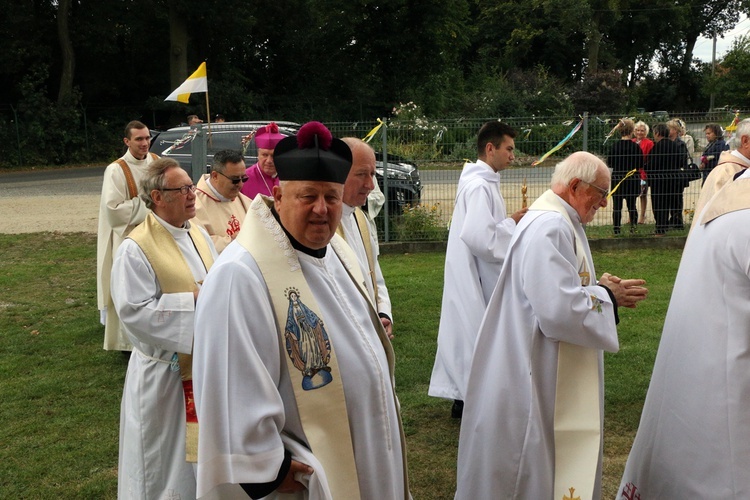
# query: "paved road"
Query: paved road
67,181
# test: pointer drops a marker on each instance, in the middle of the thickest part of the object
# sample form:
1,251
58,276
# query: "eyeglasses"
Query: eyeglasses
603,192
183,190
235,180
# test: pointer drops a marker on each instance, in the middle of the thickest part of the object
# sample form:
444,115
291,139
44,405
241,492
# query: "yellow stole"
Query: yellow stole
174,276
577,422
320,397
364,231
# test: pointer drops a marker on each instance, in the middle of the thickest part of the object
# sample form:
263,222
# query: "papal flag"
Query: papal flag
196,82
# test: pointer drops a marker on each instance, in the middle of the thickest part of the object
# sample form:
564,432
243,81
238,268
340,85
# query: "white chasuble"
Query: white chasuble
693,440
507,440
246,399
480,232
152,415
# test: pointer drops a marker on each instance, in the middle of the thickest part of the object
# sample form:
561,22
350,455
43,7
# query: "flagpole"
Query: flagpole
208,116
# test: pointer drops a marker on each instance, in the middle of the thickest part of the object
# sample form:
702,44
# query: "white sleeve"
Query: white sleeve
237,374
487,239
162,320
565,310
123,212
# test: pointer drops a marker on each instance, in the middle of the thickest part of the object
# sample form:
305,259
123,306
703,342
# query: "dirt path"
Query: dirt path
66,213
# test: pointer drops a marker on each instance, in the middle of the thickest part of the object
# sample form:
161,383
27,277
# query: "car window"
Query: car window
174,140
219,140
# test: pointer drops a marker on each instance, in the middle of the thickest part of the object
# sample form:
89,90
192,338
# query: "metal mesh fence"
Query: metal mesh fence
439,148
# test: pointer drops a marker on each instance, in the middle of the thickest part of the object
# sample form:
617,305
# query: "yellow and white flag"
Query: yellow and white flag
196,82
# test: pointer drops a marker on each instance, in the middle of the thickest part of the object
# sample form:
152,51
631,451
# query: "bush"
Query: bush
421,222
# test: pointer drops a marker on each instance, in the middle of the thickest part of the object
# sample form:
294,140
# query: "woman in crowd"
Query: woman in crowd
678,135
641,138
716,144
625,159
663,167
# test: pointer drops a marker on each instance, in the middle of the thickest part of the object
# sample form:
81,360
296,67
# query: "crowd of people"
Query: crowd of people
665,165
260,326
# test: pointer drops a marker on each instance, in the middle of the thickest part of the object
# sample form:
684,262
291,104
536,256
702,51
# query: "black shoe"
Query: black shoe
457,410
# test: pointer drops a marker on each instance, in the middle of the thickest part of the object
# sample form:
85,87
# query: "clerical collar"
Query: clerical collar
740,157
347,210
218,195
173,229
572,213
318,254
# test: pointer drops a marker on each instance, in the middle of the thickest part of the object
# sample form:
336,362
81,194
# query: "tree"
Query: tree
732,75
65,94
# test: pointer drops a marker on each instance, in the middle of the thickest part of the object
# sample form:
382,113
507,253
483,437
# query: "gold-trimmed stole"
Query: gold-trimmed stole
174,276
309,351
577,421
364,231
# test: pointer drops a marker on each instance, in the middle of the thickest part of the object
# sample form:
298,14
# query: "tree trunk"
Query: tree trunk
683,86
594,41
178,44
66,49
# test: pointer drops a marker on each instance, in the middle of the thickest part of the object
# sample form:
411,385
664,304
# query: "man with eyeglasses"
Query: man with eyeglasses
220,207
120,210
156,277
532,426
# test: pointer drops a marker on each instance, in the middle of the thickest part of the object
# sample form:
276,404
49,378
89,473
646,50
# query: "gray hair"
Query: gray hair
641,123
743,128
580,165
155,178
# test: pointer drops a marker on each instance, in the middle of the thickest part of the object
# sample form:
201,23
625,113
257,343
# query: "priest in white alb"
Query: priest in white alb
532,426
480,232
694,437
293,369
120,210
220,207
156,277
357,230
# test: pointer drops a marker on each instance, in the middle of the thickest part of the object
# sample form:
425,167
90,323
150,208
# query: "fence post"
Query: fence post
18,135
198,154
386,225
585,130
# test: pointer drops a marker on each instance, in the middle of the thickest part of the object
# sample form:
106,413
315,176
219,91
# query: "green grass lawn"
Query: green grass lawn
61,392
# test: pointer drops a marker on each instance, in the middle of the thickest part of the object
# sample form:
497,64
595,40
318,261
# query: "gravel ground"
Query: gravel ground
66,214
64,200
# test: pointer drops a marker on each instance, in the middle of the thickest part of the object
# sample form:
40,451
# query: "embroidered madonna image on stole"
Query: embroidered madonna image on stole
307,342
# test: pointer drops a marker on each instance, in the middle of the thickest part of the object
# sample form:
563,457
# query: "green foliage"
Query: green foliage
732,74
413,134
601,92
421,222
